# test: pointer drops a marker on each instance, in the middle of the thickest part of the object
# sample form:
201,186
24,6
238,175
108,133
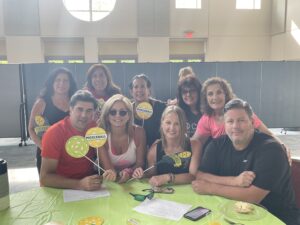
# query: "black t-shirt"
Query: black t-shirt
152,125
182,167
266,158
191,121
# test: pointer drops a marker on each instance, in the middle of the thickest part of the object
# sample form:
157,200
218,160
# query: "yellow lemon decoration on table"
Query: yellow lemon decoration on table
93,220
39,120
144,110
77,146
96,137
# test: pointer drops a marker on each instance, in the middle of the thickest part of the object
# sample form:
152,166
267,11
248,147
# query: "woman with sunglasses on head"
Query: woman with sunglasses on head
216,92
188,96
126,143
174,144
140,90
99,82
183,73
52,104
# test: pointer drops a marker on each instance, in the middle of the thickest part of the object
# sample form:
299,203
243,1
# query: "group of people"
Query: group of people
221,147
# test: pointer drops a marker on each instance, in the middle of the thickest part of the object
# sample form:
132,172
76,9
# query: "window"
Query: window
188,4
248,4
64,59
89,10
118,58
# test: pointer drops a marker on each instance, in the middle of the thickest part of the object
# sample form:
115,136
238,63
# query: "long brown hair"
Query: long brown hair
226,87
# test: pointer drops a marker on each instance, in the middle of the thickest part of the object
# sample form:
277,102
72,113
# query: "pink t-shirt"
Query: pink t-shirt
207,126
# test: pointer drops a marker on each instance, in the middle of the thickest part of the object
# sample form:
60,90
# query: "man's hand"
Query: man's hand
245,179
90,183
110,175
201,186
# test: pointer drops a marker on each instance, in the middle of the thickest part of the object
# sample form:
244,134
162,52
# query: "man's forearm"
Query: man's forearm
229,181
248,194
57,181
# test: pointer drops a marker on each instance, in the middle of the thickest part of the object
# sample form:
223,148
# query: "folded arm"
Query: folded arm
49,178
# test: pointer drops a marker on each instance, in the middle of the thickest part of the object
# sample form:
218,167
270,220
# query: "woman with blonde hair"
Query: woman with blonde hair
126,143
174,143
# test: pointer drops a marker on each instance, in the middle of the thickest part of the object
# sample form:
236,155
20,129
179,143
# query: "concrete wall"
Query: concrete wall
227,34
286,45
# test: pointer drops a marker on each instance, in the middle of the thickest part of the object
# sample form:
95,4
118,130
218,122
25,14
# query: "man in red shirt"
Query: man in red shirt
59,169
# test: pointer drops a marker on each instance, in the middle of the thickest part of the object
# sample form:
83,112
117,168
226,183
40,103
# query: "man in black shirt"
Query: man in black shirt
249,166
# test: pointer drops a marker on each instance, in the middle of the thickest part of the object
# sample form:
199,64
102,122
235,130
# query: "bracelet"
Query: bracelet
171,178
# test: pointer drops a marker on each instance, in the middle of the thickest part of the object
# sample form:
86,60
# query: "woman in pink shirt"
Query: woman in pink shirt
216,92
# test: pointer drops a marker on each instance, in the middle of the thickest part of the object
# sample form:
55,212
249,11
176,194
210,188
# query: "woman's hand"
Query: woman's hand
124,176
138,173
110,175
160,180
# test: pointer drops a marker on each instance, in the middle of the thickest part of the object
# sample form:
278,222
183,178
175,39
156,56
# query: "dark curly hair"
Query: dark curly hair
48,91
226,87
189,82
111,88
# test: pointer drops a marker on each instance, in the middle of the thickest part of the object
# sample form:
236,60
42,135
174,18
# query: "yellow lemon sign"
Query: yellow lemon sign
39,120
93,220
96,137
100,103
77,146
184,155
176,160
144,110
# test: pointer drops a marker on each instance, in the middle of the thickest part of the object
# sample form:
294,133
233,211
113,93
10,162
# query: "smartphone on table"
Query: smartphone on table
197,213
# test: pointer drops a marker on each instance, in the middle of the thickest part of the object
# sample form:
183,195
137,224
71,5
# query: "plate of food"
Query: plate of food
243,210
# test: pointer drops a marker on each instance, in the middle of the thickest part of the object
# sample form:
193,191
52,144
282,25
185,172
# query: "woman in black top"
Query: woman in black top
183,154
52,104
188,95
140,89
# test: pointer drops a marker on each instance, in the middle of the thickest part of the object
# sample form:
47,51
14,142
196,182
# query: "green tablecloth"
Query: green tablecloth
39,206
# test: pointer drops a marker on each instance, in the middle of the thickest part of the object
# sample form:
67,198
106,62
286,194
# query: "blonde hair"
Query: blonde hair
184,72
182,123
104,121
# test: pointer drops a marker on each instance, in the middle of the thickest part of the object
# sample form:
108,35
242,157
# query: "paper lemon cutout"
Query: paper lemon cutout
93,220
77,146
184,155
144,110
39,120
96,137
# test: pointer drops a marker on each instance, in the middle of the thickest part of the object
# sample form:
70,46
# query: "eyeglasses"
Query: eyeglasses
114,112
186,91
140,198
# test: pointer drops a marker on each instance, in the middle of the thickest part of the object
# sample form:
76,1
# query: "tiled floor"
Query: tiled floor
23,174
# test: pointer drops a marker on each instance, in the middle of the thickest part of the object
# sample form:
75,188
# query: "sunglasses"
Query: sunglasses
190,91
114,112
140,198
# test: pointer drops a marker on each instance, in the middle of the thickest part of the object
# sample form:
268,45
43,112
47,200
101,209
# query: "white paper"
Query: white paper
163,208
76,195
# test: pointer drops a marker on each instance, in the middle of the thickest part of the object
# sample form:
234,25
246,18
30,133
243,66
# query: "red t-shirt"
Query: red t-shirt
53,147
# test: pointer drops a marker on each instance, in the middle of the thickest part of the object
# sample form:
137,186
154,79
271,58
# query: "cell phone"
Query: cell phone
197,213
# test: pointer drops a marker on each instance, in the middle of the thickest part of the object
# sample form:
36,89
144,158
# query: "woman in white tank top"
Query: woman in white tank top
125,149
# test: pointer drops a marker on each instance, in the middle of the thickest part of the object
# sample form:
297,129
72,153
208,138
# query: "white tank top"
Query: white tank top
124,160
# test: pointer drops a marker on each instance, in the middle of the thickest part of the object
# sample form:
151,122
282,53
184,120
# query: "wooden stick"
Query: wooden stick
99,167
143,172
